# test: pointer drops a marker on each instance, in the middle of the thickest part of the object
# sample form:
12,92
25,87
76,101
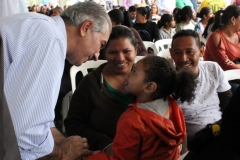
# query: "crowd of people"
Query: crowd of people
155,109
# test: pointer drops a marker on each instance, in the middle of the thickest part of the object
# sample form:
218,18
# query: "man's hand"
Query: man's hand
74,147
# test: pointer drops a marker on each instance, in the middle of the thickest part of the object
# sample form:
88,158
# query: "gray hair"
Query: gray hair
76,14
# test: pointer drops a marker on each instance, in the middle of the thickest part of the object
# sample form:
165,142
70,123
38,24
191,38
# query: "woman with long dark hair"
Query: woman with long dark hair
223,46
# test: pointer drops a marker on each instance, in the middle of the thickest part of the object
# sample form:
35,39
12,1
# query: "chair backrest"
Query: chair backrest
165,53
163,44
84,69
152,45
232,74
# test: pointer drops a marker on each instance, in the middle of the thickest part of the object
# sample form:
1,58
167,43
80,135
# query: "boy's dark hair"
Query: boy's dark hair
144,11
204,11
180,84
185,33
225,16
166,18
183,14
132,9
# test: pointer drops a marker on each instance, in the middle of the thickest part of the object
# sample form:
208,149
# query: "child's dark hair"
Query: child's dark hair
122,32
185,33
183,14
225,16
180,84
204,11
132,9
144,11
166,18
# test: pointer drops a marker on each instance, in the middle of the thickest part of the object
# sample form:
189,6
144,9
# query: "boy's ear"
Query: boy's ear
150,87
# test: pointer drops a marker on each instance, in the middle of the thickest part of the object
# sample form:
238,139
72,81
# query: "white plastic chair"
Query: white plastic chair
232,74
84,69
152,45
162,43
65,107
165,53
73,72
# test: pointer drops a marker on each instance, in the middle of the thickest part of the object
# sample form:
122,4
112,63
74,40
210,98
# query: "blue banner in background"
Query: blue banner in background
45,1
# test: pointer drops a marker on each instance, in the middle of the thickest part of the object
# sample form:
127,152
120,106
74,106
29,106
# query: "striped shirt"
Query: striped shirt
34,47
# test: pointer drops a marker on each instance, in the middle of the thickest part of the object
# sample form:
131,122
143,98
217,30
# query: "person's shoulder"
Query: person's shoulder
210,67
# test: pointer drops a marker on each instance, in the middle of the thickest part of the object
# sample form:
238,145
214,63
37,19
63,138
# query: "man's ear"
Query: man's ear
150,87
85,27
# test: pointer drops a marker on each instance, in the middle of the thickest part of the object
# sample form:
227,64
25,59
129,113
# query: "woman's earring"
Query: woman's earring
233,23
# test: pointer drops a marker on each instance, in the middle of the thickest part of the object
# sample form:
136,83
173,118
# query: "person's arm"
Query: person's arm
219,53
67,148
224,98
126,144
80,112
142,49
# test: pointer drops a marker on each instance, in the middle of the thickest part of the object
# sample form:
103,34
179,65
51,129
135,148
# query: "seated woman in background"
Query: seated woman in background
208,29
165,26
153,128
212,144
100,98
148,30
184,18
223,45
205,14
155,13
123,18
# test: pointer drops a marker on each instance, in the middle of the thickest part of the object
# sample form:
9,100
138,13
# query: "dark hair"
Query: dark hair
210,22
183,14
122,32
204,11
132,9
225,16
166,18
181,84
188,32
127,19
176,10
144,11
116,16
122,8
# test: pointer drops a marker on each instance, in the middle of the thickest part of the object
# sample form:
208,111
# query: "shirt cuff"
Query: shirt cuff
39,150
52,125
